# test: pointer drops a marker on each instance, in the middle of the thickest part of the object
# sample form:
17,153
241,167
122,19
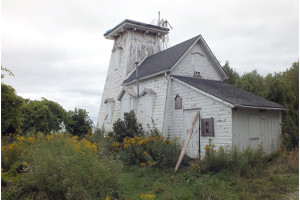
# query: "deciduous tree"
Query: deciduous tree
11,110
79,122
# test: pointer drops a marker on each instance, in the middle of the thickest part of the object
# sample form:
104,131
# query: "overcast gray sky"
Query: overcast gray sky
56,48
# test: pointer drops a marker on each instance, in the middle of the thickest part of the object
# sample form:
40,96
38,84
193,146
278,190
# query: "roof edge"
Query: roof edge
220,68
260,107
204,93
108,34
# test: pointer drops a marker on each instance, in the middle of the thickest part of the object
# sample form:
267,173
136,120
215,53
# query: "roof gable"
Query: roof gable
166,60
163,60
229,93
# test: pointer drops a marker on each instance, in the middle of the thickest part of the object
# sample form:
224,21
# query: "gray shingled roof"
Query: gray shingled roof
162,60
229,93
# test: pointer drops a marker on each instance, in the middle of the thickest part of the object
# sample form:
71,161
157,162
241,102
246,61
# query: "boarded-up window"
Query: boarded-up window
178,102
117,57
109,110
148,109
207,127
127,103
125,107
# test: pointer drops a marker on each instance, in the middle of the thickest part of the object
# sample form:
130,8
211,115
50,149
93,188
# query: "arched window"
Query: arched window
178,102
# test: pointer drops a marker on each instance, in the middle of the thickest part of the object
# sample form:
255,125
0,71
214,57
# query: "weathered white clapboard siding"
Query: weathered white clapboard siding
208,107
185,66
130,43
252,127
157,84
112,88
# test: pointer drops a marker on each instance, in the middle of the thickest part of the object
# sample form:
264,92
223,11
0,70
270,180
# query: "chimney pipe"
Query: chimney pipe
137,79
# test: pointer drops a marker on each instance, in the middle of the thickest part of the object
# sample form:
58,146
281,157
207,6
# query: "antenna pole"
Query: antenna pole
158,17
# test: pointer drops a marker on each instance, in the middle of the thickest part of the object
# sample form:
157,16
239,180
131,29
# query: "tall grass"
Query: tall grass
246,163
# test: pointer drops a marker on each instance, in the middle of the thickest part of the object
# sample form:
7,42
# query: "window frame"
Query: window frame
207,127
178,102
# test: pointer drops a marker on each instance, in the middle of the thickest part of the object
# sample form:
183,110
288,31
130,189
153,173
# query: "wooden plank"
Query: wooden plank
186,141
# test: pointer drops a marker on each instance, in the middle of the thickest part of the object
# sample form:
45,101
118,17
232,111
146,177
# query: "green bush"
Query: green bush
127,128
61,167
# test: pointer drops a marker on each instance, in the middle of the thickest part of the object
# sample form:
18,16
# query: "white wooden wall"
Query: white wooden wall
130,47
115,77
252,127
186,66
193,100
159,85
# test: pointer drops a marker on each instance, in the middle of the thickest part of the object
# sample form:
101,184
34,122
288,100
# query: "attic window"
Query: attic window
207,127
178,102
196,62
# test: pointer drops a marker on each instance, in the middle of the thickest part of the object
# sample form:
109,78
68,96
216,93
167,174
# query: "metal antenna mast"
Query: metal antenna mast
165,43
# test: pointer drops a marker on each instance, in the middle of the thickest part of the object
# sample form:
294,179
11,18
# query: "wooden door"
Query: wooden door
193,146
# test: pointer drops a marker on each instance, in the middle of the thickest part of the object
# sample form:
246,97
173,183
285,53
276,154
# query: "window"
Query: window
207,127
128,103
109,109
125,106
116,57
178,102
196,62
149,99
148,109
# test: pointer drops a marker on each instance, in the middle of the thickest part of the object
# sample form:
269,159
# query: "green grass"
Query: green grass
185,184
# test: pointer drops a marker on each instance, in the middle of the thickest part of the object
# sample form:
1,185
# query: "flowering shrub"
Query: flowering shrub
133,148
56,166
153,151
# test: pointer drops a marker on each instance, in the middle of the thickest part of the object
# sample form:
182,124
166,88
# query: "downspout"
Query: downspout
137,79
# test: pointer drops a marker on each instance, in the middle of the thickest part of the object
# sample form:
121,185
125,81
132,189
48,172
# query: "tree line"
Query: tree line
24,116
282,88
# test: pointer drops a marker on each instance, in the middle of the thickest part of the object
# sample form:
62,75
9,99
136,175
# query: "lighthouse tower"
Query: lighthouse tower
133,42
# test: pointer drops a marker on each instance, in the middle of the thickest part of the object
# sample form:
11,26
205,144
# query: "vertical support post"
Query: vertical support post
137,79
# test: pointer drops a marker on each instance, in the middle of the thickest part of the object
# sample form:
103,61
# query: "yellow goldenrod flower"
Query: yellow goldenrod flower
20,138
207,147
116,145
147,196
30,139
149,163
12,146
